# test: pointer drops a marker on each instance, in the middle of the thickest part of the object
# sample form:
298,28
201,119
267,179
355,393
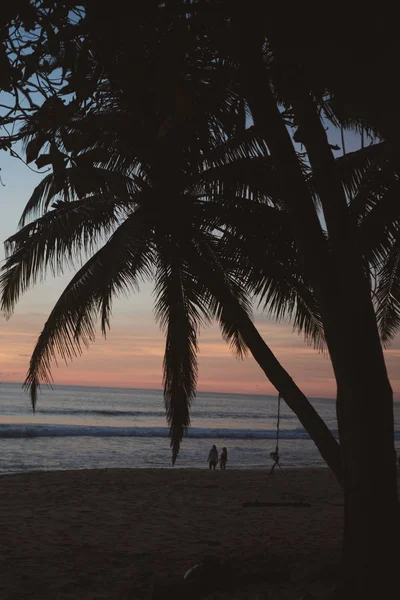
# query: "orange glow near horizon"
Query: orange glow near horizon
132,355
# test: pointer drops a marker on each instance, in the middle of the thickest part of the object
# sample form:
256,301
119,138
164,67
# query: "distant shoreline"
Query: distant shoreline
265,470
157,390
201,469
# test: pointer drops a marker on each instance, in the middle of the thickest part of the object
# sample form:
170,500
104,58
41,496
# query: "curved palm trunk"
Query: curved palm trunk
277,375
364,401
290,392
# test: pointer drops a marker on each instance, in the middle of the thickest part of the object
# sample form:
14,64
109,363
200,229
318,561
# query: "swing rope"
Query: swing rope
275,455
278,425
276,458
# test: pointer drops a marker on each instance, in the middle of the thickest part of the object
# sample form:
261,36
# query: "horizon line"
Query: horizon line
55,385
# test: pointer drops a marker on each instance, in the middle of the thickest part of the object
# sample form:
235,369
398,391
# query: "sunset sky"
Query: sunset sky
132,354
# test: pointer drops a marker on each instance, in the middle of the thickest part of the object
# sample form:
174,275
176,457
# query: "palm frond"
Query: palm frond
115,269
381,224
373,185
387,297
58,238
262,254
353,166
178,314
337,113
41,198
246,144
77,183
230,328
245,178
221,290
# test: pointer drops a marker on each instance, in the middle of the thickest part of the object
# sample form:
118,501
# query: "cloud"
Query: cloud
132,356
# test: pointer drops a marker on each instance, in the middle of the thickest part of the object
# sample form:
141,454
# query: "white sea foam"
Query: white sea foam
30,430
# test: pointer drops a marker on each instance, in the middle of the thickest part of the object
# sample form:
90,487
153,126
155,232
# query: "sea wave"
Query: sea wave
56,430
100,412
20,430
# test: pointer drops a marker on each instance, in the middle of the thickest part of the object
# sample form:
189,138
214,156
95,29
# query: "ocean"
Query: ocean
77,427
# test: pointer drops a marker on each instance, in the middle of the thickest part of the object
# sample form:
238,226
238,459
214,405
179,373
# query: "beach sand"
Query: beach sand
110,533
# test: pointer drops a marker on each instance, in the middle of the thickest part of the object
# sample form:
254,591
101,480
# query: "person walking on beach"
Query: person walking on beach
223,459
213,457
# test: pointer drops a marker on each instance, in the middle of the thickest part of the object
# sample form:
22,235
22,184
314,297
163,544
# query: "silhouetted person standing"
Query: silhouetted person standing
223,459
213,457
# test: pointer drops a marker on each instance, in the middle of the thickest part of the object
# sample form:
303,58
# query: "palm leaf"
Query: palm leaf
179,314
79,182
353,166
267,265
380,226
245,178
246,144
387,296
115,269
59,238
220,288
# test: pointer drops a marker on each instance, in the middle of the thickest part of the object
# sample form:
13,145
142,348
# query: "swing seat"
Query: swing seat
276,504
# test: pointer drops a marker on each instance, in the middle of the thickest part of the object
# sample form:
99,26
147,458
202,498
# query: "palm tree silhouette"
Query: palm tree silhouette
337,219
105,195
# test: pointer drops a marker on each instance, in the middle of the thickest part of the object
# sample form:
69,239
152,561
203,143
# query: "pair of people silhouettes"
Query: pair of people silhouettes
213,458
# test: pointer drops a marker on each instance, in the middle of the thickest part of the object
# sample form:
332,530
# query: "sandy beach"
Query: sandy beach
110,533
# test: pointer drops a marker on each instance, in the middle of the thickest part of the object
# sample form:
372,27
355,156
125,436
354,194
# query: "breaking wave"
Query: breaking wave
56,430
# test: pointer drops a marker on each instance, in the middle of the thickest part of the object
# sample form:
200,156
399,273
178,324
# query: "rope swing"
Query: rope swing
275,455
276,458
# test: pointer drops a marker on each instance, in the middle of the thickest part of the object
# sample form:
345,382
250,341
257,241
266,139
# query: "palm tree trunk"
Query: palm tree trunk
365,410
290,392
278,376
365,399
372,513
